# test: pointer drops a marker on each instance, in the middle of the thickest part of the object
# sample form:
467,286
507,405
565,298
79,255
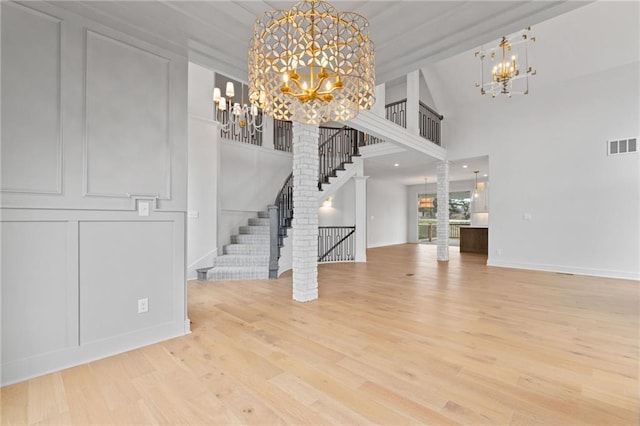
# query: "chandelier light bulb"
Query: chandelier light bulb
230,92
236,120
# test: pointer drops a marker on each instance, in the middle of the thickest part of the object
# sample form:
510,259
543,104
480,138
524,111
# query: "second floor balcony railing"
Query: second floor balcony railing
235,132
429,123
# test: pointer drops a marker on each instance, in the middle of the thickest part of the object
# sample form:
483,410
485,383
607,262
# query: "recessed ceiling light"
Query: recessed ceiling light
464,166
485,175
396,165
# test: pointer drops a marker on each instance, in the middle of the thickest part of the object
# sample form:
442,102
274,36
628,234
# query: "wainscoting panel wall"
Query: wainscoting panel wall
112,283
39,293
31,101
94,124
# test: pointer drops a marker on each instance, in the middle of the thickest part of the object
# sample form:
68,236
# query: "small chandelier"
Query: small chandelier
508,66
311,64
426,202
227,113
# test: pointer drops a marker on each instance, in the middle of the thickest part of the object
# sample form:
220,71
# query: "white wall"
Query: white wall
342,211
386,213
396,90
548,159
249,180
202,197
425,93
93,126
229,181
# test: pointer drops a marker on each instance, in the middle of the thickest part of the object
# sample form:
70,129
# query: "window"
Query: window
459,215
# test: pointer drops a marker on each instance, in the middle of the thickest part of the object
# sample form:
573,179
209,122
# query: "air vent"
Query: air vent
622,146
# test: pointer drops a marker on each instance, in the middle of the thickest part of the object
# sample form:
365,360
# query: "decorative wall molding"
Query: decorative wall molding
26,362
93,37
57,189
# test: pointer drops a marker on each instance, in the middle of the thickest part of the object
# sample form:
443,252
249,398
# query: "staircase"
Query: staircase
246,258
337,151
248,255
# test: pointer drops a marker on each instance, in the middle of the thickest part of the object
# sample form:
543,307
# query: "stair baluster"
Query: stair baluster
335,152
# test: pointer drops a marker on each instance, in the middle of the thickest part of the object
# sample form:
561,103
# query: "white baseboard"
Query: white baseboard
28,368
203,262
605,273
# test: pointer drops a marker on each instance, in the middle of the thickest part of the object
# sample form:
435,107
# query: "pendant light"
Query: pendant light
476,191
426,202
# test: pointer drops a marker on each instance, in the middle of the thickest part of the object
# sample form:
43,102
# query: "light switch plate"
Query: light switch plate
143,208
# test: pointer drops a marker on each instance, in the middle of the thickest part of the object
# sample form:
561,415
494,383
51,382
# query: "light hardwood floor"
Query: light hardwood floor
402,339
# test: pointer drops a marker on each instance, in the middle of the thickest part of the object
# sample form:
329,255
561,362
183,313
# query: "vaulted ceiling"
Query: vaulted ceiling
435,36
407,34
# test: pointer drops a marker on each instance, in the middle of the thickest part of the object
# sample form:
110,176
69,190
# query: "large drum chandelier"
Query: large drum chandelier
311,64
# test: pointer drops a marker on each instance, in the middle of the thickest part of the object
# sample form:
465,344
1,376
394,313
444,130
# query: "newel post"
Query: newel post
274,249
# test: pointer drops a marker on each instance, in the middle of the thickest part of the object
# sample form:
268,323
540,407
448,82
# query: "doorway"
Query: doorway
459,215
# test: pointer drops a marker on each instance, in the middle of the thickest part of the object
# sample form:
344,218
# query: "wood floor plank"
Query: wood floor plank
401,339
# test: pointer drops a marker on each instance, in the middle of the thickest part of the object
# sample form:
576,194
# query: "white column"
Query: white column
379,107
413,100
361,217
442,232
267,132
305,212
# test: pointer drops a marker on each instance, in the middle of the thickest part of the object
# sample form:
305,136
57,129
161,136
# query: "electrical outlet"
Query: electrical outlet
143,305
499,252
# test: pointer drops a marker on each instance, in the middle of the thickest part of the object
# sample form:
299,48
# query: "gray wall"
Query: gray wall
93,125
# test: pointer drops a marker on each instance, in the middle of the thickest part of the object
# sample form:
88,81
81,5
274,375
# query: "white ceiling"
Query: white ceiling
436,36
595,38
413,167
407,34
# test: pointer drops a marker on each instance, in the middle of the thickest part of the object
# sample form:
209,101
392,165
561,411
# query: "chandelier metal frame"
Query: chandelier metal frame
500,74
311,64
